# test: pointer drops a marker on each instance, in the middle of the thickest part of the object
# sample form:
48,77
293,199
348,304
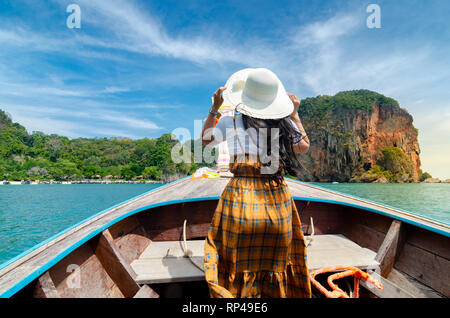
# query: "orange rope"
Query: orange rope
348,271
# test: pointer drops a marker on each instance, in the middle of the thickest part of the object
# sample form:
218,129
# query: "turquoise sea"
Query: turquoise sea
431,200
30,214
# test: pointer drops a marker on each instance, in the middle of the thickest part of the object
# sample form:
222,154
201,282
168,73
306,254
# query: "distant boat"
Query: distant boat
6,182
25,182
334,182
136,248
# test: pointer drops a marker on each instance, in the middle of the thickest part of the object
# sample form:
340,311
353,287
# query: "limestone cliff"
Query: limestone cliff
348,133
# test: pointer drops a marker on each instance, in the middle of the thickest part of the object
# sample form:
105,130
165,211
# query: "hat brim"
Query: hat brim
281,106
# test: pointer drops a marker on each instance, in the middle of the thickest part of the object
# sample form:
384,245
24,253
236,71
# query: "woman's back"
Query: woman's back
224,130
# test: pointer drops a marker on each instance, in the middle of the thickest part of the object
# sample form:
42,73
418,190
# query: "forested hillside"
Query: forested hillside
40,156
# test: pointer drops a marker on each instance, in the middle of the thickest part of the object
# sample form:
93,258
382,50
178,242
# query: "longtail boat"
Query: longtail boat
139,248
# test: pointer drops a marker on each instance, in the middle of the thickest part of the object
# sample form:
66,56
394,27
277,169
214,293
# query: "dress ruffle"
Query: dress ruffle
264,284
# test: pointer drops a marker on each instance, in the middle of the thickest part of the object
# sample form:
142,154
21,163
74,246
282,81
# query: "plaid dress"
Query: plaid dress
255,245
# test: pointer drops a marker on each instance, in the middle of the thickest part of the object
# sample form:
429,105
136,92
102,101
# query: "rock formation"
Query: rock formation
348,133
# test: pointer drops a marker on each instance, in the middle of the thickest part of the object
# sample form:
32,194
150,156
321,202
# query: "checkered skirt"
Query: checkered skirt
255,246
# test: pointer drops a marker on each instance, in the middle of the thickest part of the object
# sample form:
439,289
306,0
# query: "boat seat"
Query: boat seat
163,262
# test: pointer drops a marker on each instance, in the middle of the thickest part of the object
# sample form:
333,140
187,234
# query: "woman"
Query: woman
255,245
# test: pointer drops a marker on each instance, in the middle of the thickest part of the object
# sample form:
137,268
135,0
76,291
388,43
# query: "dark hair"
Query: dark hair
288,136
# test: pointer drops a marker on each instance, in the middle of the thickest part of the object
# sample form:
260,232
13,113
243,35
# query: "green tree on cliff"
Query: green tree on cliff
319,109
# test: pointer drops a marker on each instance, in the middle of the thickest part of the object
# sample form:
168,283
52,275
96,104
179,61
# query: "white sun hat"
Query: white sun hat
257,92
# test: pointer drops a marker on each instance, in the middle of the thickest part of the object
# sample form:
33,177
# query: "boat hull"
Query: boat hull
93,259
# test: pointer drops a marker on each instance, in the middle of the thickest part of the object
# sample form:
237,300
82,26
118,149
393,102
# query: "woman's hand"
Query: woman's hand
218,98
296,103
303,145
207,137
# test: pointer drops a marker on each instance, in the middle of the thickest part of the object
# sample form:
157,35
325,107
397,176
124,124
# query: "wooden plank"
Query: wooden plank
115,265
164,262
131,245
45,287
414,287
124,227
89,280
427,268
146,292
173,249
81,275
169,269
326,220
176,233
363,235
390,290
332,250
166,223
428,241
388,251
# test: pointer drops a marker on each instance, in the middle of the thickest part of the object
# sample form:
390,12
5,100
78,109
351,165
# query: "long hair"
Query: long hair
288,136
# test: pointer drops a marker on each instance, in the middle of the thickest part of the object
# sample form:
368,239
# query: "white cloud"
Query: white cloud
136,31
113,90
78,123
48,125
322,33
127,121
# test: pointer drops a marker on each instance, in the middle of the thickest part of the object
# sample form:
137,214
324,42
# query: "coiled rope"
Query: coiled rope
310,238
188,252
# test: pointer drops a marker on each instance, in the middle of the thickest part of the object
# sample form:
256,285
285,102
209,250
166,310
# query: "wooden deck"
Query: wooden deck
163,262
23,270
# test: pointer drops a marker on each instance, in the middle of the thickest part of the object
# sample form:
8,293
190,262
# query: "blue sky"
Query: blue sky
143,68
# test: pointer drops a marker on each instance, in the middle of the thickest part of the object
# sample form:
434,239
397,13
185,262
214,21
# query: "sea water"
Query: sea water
30,214
431,200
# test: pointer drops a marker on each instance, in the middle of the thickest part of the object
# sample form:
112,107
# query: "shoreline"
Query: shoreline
2,182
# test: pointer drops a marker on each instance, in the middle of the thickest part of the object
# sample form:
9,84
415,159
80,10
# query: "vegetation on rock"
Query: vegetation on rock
318,110
424,176
393,166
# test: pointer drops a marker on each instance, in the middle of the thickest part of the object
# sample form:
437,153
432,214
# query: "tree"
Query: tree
66,168
90,171
128,173
137,169
397,163
37,172
113,171
395,160
152,173
423,176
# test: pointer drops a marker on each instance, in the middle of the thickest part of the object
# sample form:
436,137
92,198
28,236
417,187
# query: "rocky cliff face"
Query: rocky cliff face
347,140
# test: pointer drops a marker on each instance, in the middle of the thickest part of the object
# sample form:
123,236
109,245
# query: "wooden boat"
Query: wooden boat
136,248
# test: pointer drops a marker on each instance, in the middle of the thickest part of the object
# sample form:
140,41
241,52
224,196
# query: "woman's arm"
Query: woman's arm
303,145
207,137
